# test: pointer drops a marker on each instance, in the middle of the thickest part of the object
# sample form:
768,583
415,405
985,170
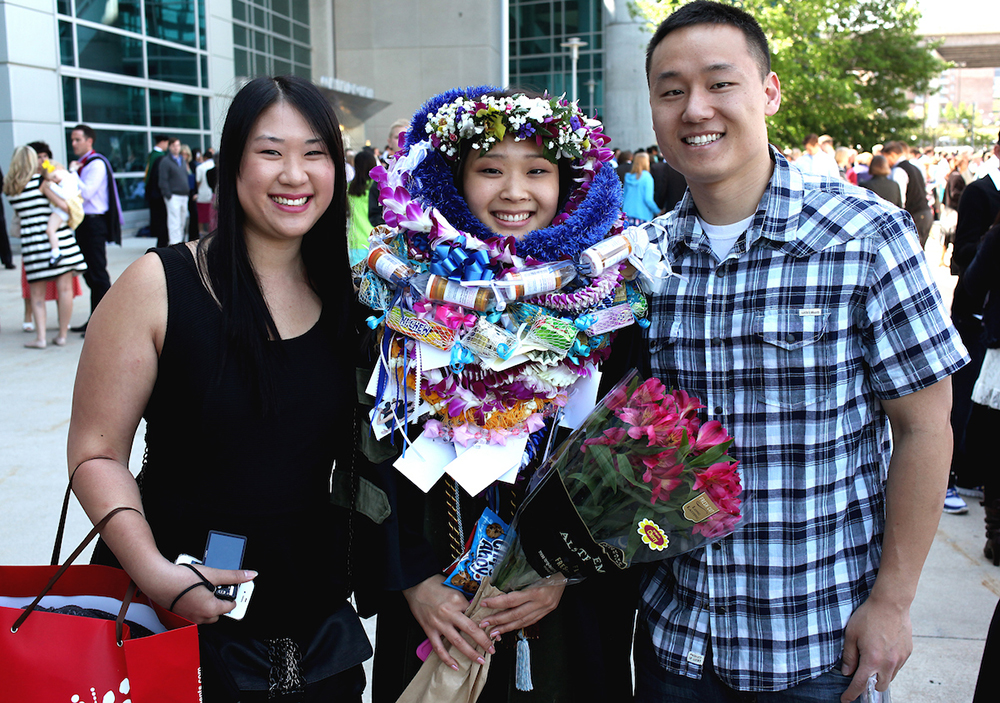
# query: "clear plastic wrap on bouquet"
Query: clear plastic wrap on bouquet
641,480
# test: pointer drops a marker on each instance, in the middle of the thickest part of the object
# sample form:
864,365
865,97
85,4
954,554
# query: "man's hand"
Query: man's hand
878,640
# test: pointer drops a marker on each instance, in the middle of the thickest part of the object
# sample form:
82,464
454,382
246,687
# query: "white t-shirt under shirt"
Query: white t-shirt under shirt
723,237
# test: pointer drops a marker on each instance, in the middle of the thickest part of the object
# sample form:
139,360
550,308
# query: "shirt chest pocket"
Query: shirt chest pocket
792,357
663,349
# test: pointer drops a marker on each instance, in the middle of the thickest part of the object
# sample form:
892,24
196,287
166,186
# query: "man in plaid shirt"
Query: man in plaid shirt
804,316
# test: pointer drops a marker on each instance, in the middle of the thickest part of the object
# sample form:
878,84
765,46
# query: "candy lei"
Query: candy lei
484,395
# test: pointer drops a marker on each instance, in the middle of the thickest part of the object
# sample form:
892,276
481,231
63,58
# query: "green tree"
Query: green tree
963,124
845,66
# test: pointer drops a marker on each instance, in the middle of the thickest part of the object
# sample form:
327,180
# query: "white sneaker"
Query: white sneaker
954,504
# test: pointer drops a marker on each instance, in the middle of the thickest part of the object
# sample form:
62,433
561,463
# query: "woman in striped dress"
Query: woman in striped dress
22,187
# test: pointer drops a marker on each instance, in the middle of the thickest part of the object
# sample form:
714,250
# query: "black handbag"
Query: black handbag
279,669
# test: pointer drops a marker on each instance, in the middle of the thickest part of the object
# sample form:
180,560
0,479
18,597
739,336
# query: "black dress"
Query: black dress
216,461
578,652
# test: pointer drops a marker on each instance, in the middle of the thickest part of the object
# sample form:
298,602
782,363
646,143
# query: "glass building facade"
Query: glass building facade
271,37
131,70
537,61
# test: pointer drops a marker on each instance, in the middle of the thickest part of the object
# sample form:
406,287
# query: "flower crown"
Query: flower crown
558,126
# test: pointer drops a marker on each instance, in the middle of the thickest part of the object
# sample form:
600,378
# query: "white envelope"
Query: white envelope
482,464
432,357
510,476
500,364
424,461
582,400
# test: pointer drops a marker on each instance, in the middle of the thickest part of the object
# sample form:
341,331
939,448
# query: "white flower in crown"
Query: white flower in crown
538,110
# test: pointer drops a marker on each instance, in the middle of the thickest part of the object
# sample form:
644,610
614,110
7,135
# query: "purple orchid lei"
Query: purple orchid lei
427,215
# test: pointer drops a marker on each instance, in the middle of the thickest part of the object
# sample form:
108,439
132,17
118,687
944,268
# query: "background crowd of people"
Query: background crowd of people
943,174
179,182
63,230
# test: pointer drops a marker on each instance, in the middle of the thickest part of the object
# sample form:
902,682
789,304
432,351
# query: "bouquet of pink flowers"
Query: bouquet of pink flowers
641,480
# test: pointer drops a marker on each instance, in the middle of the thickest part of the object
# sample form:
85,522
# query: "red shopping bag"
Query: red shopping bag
59,657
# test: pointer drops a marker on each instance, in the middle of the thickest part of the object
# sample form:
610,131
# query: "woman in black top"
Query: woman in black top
880,183
238,352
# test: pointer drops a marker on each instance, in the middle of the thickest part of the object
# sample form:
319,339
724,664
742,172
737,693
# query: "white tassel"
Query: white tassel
522,666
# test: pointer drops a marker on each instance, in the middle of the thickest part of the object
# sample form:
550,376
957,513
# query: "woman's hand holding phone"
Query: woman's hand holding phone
200,605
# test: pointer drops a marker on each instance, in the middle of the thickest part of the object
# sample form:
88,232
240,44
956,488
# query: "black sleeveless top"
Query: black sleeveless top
215,461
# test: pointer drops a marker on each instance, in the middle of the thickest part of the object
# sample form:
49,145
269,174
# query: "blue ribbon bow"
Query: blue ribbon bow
460,356
458,264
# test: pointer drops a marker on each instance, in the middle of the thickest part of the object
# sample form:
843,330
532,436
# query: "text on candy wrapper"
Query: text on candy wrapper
482,565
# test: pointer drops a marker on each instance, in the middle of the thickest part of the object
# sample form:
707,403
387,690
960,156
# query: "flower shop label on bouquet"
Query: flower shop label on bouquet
653,535
556,540
700,508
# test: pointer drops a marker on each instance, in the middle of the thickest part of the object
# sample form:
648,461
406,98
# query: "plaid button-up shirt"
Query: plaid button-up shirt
824,306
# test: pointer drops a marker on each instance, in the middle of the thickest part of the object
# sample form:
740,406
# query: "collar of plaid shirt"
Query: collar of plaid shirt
776,219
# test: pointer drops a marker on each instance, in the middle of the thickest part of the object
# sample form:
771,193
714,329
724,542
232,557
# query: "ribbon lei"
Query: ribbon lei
384,354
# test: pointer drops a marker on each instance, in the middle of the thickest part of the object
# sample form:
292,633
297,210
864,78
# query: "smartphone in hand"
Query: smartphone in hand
225,551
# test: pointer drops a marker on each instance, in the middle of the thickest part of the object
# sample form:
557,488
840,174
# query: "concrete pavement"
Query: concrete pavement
955,600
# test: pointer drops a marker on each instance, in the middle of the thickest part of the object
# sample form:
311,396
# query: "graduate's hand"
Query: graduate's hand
440,611
521,608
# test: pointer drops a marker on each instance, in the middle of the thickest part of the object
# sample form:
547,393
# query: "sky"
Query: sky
959,16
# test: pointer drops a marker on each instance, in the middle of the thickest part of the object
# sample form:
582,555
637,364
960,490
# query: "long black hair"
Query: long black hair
364,162
248,323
